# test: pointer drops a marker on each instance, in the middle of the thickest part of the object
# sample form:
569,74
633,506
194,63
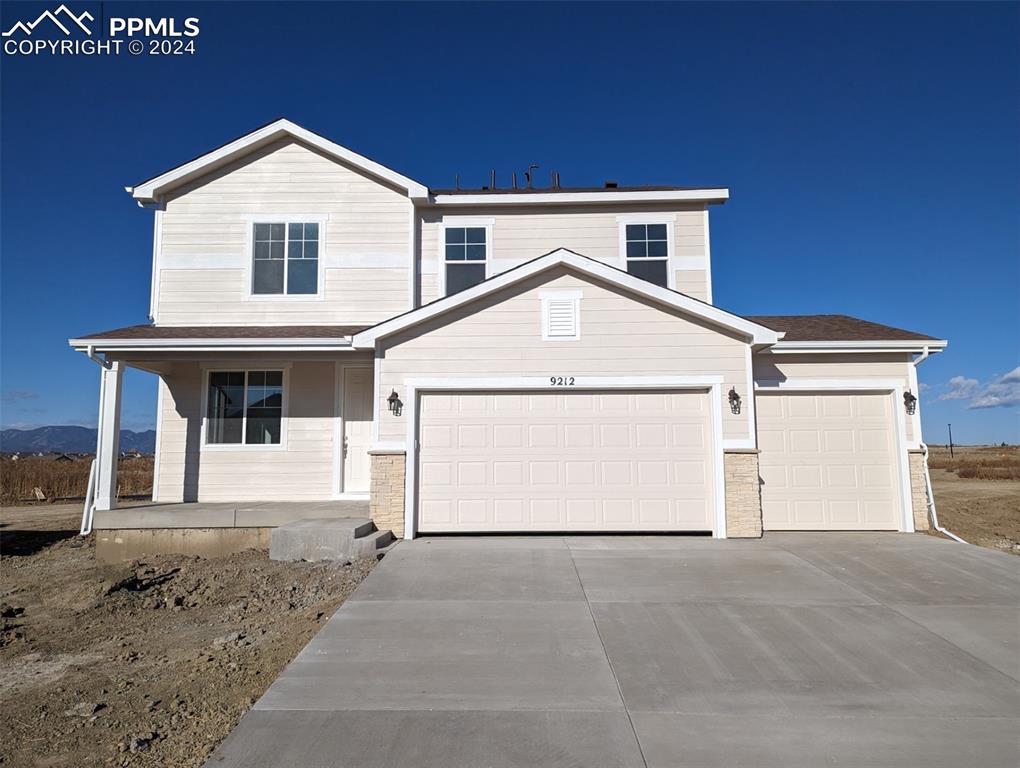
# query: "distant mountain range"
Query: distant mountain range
70,440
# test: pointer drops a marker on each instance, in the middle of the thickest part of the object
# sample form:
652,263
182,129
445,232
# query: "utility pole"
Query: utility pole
950,441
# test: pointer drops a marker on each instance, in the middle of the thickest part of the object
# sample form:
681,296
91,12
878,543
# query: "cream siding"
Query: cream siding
522,234
501,336
204,259
885,366
301,468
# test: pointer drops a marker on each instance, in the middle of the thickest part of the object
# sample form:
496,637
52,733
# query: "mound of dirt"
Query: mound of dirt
150,663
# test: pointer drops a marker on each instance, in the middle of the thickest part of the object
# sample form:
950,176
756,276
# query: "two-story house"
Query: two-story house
496,359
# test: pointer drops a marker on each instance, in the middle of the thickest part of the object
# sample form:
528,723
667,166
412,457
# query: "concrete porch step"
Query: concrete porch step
327,539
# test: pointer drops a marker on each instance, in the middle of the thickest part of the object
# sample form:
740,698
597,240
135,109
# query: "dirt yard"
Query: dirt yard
143,664
974,495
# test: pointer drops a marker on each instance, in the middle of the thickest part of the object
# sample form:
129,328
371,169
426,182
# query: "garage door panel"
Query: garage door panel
626,461
828,461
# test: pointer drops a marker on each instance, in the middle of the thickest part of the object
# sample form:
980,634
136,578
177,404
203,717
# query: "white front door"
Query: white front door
357,421
558,461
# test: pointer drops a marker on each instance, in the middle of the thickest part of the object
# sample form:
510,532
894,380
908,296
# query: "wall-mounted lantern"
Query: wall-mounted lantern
734,399
394,403
909,402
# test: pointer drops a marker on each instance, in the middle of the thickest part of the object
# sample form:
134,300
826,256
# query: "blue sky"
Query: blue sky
871,151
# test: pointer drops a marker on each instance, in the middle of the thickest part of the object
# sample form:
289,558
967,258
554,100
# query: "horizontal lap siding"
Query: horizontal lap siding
206,242
302,470
619,337
519,235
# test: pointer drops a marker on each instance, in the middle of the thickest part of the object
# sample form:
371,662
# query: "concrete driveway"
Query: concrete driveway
795,650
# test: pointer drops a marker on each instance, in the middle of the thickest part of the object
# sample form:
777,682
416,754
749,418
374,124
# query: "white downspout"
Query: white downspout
90,505
927,473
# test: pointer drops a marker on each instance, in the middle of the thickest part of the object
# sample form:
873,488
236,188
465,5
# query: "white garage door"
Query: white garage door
828,462
552,461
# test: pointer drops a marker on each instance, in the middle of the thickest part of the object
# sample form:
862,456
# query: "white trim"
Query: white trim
708,259
148,190
376,395
157,250
895,389
574,297
286,219
915,420
412,264
747,406
339,390
878,385
758,334
415,386
669,220
245,367
706,195
715,395
159,437
460,222
788,347
216,345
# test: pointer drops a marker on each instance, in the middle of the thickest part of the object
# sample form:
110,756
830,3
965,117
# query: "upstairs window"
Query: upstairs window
244,408
285,259
465,255
648,252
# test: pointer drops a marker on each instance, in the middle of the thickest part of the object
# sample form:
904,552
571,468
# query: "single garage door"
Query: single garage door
561,461
828,461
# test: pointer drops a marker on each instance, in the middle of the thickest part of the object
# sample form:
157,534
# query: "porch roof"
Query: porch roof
220,337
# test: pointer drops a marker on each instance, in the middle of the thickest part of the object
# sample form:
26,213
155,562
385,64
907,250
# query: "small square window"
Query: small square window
466,251
647,252
285,258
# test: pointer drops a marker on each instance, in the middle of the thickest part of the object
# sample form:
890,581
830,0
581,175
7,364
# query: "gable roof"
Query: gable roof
756,333
149,191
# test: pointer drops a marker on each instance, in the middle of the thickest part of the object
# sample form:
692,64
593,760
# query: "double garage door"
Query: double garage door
829,461
566,461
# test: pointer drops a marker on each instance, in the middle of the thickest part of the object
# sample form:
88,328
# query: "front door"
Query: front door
357,421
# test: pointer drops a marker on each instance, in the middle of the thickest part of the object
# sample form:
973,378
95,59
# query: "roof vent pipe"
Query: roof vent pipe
513,179
529,175
492,179
611,185
556,179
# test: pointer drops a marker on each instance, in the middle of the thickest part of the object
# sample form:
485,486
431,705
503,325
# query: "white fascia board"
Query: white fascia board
711,195
758,334
216,345
789,347
149,191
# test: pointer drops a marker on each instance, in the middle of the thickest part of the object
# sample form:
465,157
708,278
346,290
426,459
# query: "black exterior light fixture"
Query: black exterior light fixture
394,403
734,399
909,402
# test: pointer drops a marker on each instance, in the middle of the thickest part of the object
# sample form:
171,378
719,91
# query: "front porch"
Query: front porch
206,528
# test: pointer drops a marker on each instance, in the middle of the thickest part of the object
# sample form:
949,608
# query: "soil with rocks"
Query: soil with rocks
150,663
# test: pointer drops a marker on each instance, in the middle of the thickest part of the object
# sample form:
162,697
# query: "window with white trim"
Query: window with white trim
244,408
466,250
285,259
648,252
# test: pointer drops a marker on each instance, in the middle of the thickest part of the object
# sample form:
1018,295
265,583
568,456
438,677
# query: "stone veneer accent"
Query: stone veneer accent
918,491
743,494
386,493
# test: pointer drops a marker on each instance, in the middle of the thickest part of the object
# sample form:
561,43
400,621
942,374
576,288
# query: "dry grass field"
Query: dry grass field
66,479
977,493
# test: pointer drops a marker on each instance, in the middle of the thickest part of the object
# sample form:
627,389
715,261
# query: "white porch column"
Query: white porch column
108,440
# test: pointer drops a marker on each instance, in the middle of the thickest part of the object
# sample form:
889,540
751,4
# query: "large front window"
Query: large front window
244,407
285,259
466,249
648,253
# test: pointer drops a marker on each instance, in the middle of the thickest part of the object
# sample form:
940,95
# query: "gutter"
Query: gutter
927,474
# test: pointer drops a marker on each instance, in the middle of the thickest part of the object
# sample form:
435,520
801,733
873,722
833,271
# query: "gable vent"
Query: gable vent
561,316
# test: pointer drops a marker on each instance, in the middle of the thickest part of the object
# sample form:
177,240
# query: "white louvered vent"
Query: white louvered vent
561,317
